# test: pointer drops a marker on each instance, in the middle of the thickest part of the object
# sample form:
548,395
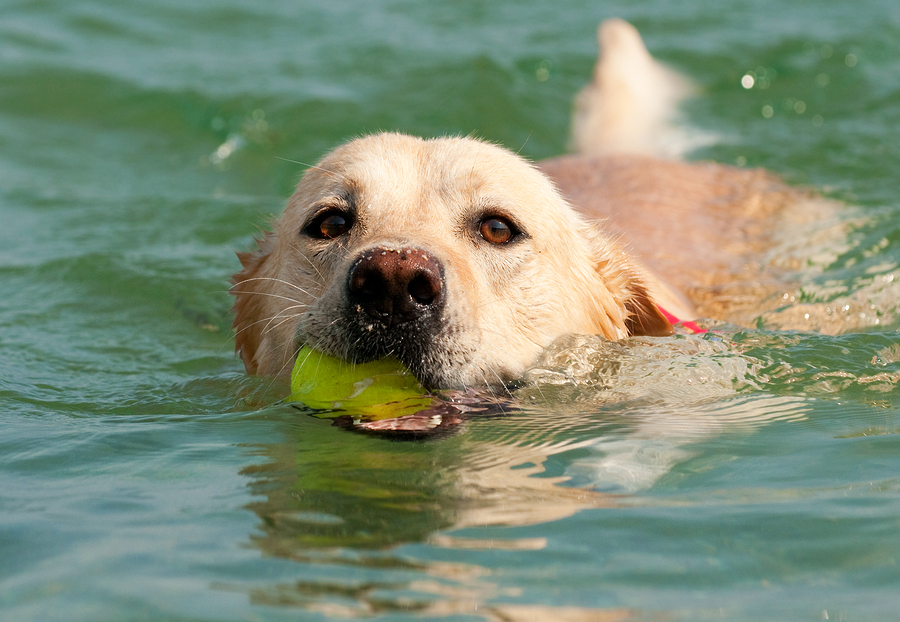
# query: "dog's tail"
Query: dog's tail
631,105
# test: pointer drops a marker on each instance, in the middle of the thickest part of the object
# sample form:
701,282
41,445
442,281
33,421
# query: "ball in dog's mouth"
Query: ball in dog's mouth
383,396
373,390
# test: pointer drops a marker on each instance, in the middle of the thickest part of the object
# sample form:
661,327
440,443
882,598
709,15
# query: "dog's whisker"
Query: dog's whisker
302,255
279,313
500,382
283,316
527,138
267,320
289,364
273,279
287,318
278,296
312,166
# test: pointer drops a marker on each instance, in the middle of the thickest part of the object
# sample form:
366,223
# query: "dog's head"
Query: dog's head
453,255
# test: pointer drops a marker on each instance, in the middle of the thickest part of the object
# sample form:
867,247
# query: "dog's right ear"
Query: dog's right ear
249,288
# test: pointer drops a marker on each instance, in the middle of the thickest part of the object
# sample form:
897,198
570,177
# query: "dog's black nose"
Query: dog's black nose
396,285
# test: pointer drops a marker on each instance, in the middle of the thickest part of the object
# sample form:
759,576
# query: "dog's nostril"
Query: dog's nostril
366,281
424,288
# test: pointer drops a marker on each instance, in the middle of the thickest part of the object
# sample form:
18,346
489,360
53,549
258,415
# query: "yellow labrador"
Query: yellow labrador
465,261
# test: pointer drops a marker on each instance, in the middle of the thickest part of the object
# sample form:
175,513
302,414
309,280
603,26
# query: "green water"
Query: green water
143,476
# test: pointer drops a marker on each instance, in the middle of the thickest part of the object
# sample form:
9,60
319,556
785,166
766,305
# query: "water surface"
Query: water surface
143,476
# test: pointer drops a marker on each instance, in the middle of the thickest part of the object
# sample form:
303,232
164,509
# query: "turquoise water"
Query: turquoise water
143,476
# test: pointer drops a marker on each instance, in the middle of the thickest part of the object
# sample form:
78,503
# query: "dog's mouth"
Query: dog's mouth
412,343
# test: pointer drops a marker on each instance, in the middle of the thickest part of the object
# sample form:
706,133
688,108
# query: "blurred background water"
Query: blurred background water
143,476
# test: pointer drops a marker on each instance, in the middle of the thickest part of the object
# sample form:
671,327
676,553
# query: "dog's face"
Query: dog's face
453,255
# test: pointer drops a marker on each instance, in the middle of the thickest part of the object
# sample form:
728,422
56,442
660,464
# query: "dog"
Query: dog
464,261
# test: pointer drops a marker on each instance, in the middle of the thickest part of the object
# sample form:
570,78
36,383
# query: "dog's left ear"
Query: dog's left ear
645,318
249,288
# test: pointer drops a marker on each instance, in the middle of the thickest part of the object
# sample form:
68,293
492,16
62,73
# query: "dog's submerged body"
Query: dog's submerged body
465,262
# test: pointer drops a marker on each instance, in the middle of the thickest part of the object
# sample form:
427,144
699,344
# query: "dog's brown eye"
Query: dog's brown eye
496,230
329,226
334,226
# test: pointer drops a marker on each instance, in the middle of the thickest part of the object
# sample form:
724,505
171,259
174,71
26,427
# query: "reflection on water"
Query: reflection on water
351,505
343,502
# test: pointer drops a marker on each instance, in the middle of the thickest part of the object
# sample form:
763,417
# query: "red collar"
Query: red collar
691,326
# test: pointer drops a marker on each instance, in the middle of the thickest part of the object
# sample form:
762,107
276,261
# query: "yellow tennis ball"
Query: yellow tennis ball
381,389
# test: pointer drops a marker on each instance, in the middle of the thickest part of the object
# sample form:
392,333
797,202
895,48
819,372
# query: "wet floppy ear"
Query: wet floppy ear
249,288
624,282
644,317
